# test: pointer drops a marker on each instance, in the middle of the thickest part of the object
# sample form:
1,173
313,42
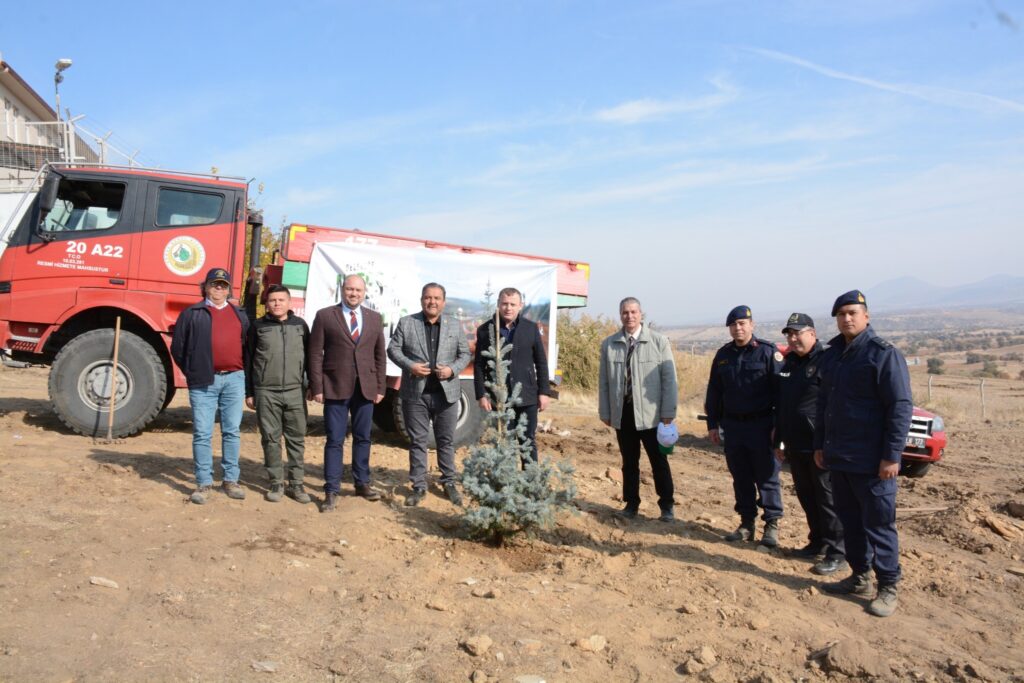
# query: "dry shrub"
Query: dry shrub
958,399
579,356
579,349
692,374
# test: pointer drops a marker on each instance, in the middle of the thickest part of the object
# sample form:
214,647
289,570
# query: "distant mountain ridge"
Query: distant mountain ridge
909,293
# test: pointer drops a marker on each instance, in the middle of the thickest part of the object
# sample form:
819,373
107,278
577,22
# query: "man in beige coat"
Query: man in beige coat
637,390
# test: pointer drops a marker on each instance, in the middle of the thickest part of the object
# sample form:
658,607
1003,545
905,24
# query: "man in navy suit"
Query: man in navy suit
347,372
529,362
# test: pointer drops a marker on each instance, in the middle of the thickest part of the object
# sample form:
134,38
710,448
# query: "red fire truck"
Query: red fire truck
86,245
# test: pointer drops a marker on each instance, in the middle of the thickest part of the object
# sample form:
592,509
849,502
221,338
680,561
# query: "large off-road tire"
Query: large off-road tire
80,383
384,412
914,470
468,427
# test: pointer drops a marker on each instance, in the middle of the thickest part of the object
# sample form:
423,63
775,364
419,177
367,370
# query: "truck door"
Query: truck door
84,242
188,230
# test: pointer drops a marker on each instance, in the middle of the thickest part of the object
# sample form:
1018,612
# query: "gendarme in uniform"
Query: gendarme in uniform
741,400
864,414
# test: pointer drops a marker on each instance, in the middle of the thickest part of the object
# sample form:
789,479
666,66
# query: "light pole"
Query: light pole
58,77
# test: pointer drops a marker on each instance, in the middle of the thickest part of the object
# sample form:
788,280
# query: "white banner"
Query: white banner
395,277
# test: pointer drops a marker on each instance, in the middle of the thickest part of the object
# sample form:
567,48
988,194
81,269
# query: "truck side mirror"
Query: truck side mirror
48,193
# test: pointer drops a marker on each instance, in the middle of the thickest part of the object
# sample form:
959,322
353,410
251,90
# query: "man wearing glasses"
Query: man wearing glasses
795,415
208,345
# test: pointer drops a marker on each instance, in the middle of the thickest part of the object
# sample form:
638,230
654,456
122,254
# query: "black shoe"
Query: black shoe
770,535
415,498
830,565
453,494
368,492
330,502
628,512
667,515
811,551
744,532
854,584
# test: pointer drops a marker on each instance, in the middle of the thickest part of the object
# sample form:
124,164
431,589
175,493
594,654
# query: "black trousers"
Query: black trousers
531,427
630,438
814,491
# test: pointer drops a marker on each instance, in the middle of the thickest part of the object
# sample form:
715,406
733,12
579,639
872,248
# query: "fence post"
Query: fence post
983,412
930,388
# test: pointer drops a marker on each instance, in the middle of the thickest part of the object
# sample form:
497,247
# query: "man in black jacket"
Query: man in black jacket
209,346
529,362
795,414
275,378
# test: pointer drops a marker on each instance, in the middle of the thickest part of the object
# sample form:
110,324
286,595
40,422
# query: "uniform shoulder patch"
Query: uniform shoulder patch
882,342
778,357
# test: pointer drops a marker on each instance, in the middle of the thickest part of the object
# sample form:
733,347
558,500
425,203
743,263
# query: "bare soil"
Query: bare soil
245,590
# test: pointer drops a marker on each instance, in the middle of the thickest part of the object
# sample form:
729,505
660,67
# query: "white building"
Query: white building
30,133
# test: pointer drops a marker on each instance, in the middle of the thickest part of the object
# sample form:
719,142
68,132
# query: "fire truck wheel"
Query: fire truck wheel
80,383
384,412
915,470
468,427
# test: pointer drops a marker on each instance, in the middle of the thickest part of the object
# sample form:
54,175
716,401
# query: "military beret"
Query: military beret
798,321
738,313
854,296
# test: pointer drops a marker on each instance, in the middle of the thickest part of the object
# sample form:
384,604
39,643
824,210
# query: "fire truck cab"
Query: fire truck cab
86,245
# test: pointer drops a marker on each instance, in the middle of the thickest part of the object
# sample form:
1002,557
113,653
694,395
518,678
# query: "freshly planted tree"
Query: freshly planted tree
504,500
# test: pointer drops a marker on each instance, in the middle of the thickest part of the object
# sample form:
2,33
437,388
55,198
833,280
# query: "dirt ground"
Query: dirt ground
251,590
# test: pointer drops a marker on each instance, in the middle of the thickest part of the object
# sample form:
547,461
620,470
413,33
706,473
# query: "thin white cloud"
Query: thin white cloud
961,99
670,183
639,111
303,196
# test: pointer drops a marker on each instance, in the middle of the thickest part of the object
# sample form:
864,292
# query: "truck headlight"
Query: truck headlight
938,425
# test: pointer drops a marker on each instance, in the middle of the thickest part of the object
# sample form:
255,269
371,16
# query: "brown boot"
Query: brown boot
368,492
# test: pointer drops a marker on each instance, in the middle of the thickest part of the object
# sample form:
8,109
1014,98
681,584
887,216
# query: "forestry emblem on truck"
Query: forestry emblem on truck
184,255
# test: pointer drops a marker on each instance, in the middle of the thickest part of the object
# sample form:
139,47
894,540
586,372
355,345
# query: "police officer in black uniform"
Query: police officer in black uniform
864,413
796,410
740,400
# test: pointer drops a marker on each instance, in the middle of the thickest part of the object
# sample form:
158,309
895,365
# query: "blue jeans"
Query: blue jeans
227,393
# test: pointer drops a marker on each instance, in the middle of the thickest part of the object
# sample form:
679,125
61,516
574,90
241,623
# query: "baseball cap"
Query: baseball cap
217,275
668,434
798,321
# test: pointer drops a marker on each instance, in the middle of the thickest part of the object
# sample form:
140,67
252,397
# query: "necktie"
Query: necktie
353,326
628,389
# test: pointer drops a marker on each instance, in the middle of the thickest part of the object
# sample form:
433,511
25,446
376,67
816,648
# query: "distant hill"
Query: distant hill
911,293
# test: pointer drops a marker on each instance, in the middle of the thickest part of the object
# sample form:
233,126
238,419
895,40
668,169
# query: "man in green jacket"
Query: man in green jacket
637,389
275,377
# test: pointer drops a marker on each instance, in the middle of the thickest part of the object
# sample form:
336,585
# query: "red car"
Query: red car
926,443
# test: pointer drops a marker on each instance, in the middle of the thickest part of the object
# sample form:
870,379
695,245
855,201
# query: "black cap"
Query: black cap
798,321
217,275
738,313
854,296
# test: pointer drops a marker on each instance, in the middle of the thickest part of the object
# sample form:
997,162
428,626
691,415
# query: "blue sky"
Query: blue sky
698,154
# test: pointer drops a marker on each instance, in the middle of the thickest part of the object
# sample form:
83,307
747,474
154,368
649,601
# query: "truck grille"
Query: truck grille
920,426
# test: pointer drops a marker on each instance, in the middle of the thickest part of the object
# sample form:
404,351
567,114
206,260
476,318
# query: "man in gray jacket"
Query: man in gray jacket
637,390
432,350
